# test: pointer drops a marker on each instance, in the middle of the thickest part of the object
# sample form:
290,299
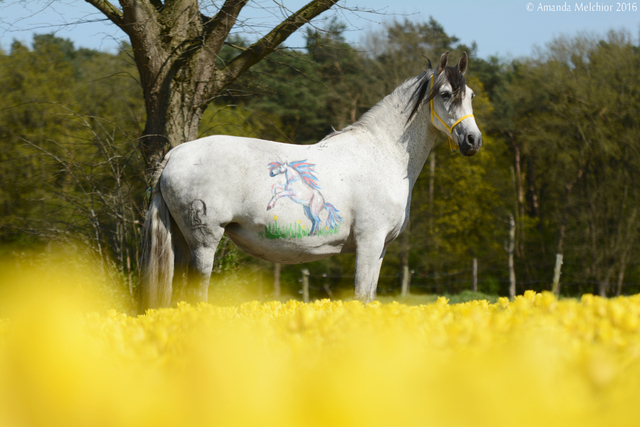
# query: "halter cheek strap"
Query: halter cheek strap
452,145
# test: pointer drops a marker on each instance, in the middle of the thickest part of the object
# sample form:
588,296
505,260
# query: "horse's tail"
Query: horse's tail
333,219
157,250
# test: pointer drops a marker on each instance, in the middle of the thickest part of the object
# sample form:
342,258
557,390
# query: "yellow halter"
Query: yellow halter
452,145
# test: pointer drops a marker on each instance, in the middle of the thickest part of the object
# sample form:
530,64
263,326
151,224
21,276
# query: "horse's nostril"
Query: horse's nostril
470,139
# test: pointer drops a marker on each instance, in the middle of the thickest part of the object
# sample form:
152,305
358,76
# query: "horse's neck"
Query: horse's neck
291,174
408,144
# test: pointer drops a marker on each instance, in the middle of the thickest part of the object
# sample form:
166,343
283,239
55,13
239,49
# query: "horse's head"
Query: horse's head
450,107
451,110
277,168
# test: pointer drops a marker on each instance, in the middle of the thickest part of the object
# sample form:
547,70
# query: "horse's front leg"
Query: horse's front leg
277,188
278,195
369,255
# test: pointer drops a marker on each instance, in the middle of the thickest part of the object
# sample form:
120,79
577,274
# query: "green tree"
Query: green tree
73,174
176,46
578,120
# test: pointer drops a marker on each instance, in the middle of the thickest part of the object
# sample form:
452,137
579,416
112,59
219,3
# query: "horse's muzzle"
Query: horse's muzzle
470,143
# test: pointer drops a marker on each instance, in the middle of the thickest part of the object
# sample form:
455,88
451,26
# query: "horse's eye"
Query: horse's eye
473,95
445,95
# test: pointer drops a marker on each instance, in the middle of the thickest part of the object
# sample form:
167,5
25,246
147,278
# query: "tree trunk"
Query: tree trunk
519,190
603,285
433,242
510,249
176,48
623,266
474,268
555,288
432,175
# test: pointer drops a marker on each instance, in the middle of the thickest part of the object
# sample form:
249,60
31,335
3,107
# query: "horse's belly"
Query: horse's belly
291,249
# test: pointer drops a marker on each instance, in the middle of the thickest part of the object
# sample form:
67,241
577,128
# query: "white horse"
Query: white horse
223,184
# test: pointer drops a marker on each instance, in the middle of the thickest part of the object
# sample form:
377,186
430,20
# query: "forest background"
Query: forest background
557,173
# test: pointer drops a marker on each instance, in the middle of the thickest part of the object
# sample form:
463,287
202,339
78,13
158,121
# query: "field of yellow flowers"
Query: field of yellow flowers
533,361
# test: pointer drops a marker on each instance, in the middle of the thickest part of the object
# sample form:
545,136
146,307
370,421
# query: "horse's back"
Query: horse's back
219,150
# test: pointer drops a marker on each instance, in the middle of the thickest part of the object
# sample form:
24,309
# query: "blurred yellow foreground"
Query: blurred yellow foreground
534,361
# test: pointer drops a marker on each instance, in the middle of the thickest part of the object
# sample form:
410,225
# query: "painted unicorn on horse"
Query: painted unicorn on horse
302,187
215,185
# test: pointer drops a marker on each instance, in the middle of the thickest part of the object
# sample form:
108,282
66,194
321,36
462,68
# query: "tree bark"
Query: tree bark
474,269
510,247
555,287
433,242
175,49
623,266
519,190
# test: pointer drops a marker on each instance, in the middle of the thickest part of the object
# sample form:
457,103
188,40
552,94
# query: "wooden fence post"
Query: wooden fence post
475,275
556,275
305,285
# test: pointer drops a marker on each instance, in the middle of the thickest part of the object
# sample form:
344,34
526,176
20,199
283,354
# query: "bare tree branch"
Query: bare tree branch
110,11
269,43
218,28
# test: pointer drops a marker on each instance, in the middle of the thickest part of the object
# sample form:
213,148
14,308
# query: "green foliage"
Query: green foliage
69,122
559,153
575,124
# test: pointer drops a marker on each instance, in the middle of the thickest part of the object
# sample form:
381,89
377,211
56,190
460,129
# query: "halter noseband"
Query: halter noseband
452,145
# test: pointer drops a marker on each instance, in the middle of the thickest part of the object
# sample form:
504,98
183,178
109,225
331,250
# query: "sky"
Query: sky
503,28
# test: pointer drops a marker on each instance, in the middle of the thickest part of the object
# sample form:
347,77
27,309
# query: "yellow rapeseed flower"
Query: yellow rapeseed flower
555,362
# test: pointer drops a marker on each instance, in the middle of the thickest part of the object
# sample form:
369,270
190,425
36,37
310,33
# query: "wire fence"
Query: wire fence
492,281
456,282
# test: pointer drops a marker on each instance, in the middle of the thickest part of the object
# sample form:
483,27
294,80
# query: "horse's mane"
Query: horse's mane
417,99
306,172
304,169
369,118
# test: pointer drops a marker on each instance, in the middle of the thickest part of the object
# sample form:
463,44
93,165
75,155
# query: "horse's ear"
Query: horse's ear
462,64
443,62
428,61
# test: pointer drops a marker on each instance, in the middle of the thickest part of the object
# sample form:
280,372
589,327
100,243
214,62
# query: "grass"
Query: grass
464,296
273,230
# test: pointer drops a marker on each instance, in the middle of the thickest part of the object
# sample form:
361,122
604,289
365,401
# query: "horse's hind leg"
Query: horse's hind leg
200,265
308,214
181,265
316,204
